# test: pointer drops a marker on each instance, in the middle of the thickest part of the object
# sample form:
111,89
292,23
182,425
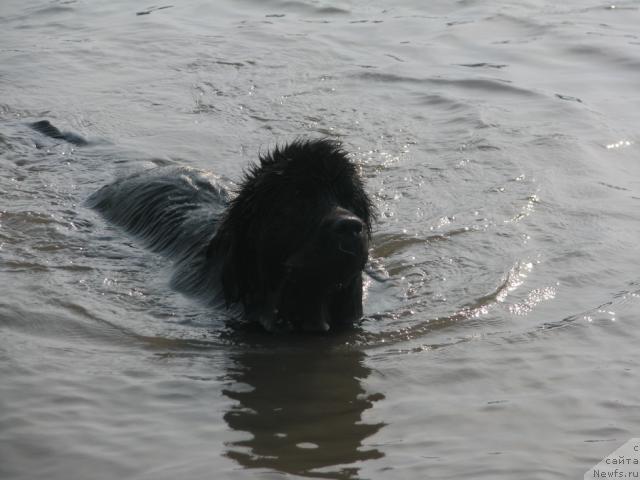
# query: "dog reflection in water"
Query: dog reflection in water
302,410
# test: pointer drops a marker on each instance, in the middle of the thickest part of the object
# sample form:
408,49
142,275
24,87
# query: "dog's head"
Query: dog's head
294,241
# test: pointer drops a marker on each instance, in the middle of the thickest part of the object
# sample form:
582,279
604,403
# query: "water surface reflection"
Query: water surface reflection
303,409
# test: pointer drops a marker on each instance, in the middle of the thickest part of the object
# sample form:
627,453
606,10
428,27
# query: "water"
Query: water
500,143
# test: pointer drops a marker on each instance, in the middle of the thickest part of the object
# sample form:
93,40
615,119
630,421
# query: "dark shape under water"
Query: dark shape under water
46,128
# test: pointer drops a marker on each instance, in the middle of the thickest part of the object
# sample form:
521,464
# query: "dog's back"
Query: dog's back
174,211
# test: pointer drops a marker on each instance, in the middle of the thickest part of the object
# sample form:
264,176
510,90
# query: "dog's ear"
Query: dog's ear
239,270
224,250
229,274
235,244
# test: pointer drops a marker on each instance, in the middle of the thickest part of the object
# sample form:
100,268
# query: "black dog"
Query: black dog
289,246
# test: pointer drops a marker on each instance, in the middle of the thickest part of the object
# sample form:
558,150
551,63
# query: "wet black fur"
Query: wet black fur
275,246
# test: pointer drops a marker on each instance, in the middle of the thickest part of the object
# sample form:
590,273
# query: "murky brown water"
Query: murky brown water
499,142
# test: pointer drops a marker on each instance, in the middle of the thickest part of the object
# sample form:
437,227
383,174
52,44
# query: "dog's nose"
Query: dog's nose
348,226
